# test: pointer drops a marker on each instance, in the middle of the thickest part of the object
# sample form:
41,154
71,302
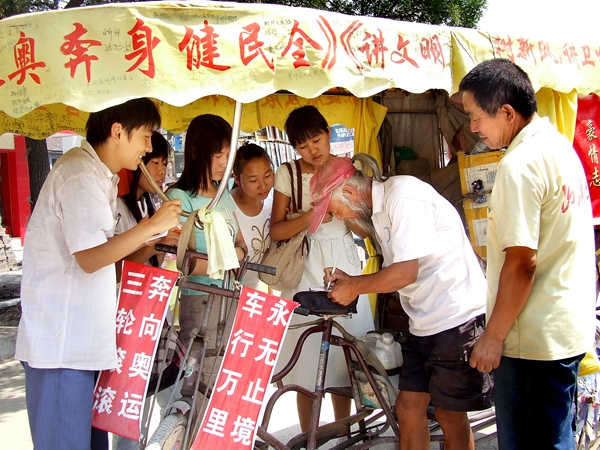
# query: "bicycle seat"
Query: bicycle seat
317,302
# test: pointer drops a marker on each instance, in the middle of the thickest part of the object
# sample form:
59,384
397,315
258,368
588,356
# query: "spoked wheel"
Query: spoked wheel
170,433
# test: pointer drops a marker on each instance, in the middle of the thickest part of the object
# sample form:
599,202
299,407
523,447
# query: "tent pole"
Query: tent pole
237,119
235,133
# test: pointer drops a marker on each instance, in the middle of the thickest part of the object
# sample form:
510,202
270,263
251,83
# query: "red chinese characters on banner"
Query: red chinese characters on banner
546,52
431,48
251,46
331,56
143,47
587,145
24,54
401,55
297,39
201,50
571,54
587,54
345,40
525,51
231,417
503,47
374,48
78,48
119,394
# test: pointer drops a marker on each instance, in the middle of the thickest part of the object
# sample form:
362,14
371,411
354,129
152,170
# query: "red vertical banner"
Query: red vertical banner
120,392
587,145
231,417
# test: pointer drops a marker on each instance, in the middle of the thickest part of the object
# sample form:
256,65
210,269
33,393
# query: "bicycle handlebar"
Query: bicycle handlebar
251,266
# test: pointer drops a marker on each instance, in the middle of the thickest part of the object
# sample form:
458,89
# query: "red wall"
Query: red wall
15,188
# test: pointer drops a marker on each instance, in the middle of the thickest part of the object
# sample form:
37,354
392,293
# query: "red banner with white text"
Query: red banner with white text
231,417
120,393
587,145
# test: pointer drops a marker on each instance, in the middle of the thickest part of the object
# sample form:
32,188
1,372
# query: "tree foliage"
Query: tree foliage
459,13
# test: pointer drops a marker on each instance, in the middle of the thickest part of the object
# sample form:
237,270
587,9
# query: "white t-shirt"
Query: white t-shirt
125,219
68,316
255,230
540,200
413,221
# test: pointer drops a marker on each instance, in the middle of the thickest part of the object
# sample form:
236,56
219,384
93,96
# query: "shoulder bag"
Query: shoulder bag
287,257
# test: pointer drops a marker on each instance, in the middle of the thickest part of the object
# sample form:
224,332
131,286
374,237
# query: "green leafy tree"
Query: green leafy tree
458,13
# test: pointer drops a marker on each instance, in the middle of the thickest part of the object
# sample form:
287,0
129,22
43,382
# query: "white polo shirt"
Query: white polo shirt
540,200
413,221
68,318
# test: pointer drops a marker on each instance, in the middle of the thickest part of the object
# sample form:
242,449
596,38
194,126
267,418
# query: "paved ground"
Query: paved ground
14,427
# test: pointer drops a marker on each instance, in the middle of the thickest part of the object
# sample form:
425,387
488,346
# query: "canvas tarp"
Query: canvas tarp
55,65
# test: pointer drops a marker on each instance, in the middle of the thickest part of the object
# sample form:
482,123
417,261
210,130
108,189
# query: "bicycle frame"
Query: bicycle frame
318,435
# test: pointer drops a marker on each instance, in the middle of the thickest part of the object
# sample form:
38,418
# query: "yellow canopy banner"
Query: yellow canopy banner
56,66
557,62
94,57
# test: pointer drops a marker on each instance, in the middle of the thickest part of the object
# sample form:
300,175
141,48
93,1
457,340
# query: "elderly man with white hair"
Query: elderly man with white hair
429,260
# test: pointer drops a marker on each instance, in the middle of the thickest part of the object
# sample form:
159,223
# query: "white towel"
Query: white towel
220,247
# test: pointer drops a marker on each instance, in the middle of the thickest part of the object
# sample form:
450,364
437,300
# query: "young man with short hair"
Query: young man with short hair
67,331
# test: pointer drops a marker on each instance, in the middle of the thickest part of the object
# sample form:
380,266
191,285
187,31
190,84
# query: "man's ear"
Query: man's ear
116,131
350,192
509,111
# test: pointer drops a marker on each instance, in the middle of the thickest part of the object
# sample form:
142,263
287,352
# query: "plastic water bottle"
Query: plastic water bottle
480,147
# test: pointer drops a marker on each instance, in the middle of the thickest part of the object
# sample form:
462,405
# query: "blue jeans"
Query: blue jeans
535,402
59,406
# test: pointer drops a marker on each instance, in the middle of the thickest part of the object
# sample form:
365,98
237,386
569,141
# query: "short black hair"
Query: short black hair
160,147
305,123
497,82
132,114
246,153
205,137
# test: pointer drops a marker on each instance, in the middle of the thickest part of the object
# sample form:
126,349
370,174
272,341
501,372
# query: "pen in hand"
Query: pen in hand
334,267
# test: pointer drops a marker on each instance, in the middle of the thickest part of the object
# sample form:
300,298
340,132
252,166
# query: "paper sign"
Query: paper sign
231,417
120,393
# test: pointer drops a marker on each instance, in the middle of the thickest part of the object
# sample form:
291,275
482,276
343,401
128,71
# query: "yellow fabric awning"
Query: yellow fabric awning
56,66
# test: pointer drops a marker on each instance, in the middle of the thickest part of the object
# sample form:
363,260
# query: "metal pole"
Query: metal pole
235,132
237,120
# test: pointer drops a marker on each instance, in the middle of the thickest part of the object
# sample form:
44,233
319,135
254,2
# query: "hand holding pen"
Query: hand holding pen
342,289
332,270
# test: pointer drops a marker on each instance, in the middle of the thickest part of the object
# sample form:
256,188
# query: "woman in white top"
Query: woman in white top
308,132
254,178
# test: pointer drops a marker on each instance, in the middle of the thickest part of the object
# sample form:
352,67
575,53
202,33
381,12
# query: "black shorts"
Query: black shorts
439,364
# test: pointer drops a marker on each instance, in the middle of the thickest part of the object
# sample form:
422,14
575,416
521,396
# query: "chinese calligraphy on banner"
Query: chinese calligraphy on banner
179,52
120,393
260,325
587,145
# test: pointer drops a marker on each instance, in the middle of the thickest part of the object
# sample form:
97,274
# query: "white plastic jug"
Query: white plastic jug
387,350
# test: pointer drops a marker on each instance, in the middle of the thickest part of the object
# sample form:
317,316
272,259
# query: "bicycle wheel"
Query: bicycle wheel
169,434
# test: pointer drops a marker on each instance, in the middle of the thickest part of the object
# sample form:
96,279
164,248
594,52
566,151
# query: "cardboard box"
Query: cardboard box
477,176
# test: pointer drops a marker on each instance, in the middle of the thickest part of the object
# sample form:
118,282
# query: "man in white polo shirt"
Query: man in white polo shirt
429,260
541,264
